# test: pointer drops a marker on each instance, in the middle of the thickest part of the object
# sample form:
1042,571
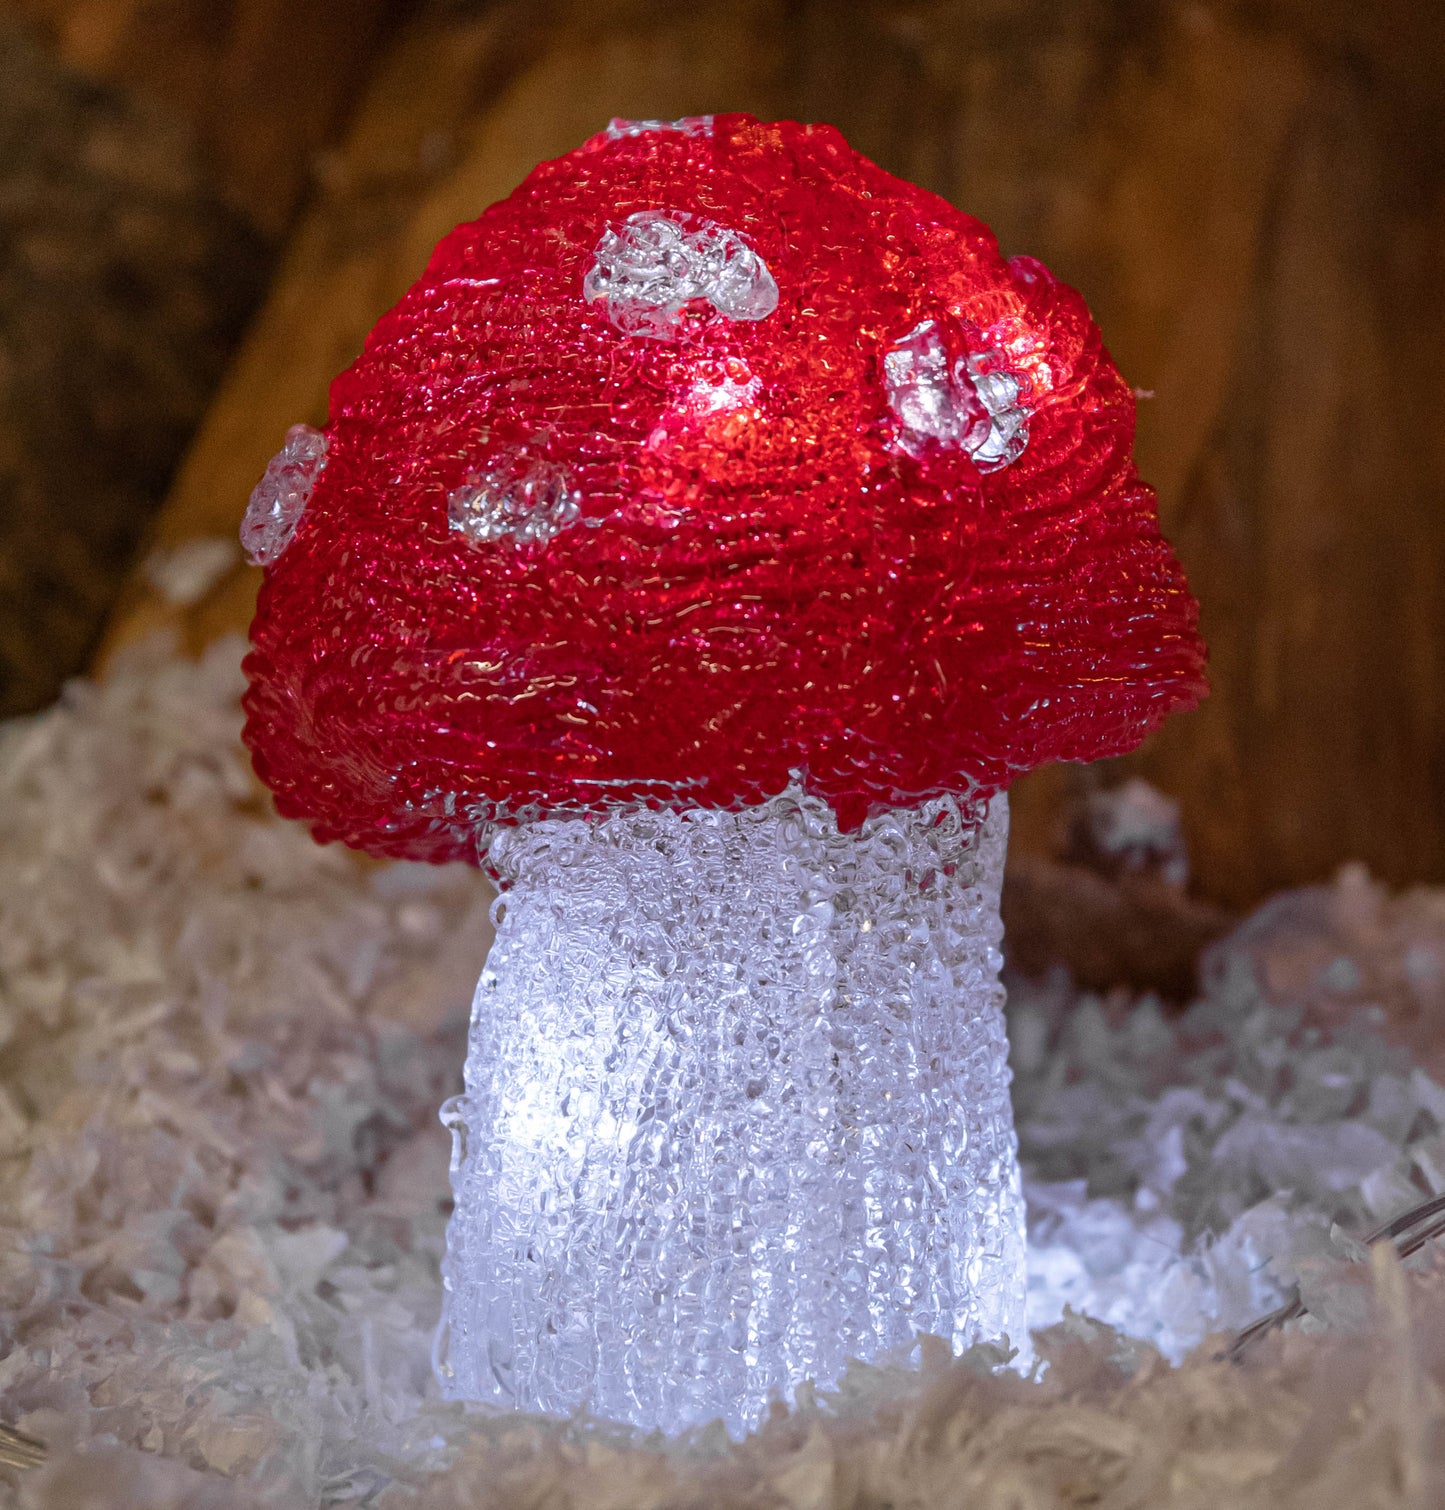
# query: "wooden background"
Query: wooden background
1251,197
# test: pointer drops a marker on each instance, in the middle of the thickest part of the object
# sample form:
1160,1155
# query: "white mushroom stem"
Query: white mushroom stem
736,1111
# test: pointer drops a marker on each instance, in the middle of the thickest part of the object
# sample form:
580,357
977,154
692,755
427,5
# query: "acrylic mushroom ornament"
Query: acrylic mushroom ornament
702,545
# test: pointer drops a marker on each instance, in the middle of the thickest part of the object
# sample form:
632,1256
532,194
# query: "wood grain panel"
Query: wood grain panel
124,286
263,83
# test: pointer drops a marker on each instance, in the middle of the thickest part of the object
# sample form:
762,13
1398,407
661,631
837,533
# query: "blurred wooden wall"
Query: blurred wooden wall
264,84
1250,197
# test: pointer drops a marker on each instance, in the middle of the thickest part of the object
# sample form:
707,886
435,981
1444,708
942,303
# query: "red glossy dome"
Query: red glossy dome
712,455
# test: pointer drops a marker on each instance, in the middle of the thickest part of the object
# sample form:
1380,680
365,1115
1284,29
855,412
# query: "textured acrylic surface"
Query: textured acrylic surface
650,268
780,561
515,497
963,400
736,1110
279,500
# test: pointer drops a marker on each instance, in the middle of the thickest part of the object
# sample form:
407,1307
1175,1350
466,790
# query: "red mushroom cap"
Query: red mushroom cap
714,457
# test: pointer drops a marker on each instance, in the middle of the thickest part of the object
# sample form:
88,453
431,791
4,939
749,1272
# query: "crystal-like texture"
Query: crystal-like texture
690,125
761,579
967,400
514,497
280,498
736,1110
1008,430
928,398
650,268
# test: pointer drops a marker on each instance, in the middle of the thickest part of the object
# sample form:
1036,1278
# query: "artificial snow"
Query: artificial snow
225,1188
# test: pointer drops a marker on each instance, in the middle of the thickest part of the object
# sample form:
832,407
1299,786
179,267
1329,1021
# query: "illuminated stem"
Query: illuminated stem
736,1111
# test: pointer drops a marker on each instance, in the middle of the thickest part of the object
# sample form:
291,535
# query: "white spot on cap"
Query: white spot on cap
514,497
647,270
280,498
969,403
689,125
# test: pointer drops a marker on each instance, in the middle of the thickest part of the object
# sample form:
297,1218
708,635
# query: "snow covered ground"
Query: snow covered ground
223,1186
